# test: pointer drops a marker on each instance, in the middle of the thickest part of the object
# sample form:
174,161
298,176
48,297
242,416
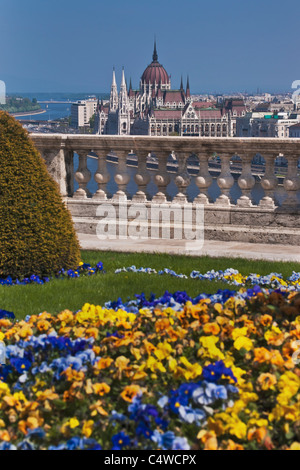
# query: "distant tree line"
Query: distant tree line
16,104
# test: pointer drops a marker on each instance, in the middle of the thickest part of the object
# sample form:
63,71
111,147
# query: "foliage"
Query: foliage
15,104
37,236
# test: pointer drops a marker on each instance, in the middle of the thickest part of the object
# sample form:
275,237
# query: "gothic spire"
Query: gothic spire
155,56
181,84
123,82
113,101
188,94
114,83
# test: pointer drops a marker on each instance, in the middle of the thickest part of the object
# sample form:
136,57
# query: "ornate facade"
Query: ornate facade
156,109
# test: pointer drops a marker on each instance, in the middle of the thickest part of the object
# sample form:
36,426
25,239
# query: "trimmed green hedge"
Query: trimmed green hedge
36,229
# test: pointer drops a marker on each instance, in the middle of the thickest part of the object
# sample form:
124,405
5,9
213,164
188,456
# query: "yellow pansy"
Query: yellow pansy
192,370
209,345
237,332
289,381
163,350
295,446
266,381
154,365
135,352
275,336
101,388
73,423
87,428
4,389
243,342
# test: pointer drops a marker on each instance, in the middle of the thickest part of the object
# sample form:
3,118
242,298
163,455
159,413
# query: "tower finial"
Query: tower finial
181,84
154,56
188,93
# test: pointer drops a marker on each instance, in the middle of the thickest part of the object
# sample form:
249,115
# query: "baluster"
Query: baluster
246,182
142,178
182,180
56,165
291,183
101,176
121,177
162,178
225,181
69,164
82,176
203,180
269,183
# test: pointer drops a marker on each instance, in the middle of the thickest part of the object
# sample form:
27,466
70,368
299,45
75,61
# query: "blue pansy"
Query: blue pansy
120,440
165,440
190,415
20,364
209,392
214,372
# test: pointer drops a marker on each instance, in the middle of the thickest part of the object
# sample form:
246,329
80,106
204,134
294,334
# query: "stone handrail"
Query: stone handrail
58,151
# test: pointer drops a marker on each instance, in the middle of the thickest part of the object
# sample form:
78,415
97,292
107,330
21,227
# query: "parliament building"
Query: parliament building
158,110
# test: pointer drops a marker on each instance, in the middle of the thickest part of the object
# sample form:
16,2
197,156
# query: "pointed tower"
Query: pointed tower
188,93
181,84
113,101
124,108
154,55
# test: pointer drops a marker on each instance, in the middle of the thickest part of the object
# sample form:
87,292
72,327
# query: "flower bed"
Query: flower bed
173,372
84,269
229,276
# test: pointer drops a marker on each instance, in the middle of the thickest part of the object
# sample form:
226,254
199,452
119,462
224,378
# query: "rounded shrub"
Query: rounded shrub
37,235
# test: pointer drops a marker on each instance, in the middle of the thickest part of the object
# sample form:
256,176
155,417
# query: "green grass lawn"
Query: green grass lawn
58,295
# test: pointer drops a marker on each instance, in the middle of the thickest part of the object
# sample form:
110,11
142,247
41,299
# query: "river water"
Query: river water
56,110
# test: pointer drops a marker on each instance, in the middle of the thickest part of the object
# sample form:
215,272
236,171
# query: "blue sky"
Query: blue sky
223,45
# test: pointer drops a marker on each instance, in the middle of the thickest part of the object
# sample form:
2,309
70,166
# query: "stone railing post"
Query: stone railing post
69,164
225,181
291,183
101,176
182,179
56,165
203,180
121,176
269,183
246,182
142,178
82,176
162,178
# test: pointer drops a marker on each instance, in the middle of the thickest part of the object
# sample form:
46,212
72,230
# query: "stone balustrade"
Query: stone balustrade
265,220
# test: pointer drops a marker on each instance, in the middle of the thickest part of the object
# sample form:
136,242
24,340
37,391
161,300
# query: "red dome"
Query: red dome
155,72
